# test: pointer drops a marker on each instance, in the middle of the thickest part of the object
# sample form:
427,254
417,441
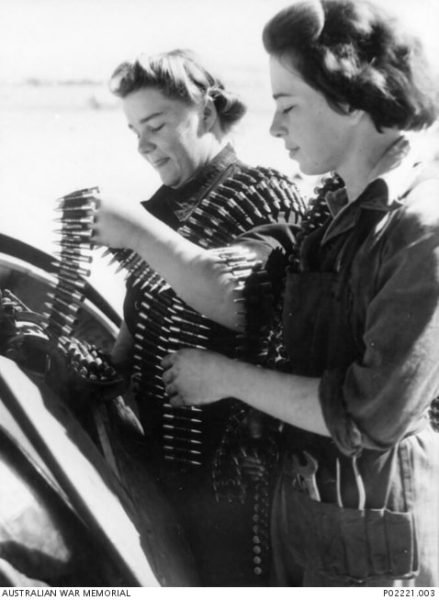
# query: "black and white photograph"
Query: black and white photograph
219,297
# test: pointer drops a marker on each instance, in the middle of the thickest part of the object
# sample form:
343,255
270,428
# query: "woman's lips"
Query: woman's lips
159,163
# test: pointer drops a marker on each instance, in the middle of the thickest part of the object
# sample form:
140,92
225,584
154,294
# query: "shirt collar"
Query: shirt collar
384,193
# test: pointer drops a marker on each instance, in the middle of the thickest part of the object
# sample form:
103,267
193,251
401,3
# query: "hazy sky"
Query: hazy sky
65,39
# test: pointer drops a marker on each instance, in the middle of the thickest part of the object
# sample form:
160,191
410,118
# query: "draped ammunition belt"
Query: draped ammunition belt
71,267
264,339
73,261
165,323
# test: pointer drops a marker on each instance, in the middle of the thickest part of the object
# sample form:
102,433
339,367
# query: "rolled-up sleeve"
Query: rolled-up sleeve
385,395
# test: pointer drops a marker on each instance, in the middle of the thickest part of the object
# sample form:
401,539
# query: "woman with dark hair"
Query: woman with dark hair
357,499
182,116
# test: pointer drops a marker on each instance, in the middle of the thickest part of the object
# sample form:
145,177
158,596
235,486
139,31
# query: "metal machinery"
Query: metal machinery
62,407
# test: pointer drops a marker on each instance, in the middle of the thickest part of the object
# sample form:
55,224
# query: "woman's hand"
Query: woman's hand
117,223
197,377
195,274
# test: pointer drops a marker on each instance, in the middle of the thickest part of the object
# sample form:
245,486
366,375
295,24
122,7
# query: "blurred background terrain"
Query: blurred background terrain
61,129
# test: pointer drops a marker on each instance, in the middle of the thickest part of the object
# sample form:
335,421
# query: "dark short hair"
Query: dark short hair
179,75
359,57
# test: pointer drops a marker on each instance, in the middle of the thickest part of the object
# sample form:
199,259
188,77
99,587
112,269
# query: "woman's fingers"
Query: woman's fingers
168,376
171,389
169,360
114,222
95,230
177,400
191,376
97,237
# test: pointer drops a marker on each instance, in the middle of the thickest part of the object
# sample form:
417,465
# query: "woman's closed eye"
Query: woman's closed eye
156,129
148,129
288,109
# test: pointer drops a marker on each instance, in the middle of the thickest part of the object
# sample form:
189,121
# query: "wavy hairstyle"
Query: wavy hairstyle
179,75
359,57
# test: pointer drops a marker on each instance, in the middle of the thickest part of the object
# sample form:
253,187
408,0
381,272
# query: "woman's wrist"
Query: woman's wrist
137,234
230,374
237,377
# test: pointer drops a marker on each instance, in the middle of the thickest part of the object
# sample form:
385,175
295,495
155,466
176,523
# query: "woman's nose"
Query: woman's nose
276,128
144,144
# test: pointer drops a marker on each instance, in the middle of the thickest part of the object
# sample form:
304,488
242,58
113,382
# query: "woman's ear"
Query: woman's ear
356,114
210,114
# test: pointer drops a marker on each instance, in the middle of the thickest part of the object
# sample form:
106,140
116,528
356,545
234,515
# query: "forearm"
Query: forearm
290,398
196,275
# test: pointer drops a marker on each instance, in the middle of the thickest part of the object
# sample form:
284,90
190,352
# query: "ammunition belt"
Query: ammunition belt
248,198
239,203
165,324
265,345
71,266
88,361
73,260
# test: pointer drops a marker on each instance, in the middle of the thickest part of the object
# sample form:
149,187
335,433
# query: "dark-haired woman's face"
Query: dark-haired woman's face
315,135
171,134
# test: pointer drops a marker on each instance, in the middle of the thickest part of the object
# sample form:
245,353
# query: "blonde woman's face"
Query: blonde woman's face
170,134
315,135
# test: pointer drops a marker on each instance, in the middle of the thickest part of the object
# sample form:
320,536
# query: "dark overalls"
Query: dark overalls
340,520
